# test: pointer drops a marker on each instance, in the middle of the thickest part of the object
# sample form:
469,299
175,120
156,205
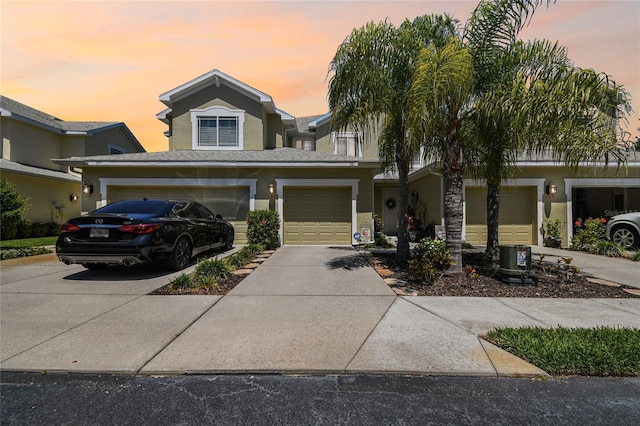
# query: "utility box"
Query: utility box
515,264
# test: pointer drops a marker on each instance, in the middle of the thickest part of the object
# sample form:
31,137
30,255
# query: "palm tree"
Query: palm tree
371,77
530,97
439,101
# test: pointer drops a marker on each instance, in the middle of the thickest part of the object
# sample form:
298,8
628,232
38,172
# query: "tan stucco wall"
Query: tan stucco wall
264,176
255,134
44,196
31,145
98,144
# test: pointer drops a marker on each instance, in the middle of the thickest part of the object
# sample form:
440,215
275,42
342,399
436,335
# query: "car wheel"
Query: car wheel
181,255
95,266
228,243
625,237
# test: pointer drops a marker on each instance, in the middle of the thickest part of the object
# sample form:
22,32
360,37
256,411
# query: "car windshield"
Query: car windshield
146,207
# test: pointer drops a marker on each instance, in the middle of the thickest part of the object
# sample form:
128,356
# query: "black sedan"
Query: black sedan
139,231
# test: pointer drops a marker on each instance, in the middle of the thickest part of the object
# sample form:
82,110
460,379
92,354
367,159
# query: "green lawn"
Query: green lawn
601,351
28,242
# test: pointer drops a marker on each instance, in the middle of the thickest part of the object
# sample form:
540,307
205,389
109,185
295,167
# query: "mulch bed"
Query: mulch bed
486,282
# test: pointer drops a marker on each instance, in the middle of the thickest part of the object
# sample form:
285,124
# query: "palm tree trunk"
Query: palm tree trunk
403,252
453,169
493,216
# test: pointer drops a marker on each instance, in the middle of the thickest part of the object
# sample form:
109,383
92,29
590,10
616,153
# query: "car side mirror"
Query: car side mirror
219,217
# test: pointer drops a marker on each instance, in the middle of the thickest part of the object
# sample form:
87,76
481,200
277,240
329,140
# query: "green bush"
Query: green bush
588,234
245,255
636,256
263,228
181,281
608,248
212,267
12,207
22,252
430,259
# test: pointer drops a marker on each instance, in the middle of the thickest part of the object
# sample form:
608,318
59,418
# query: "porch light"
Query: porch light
551,189
272,189
87,189
414,196
73,198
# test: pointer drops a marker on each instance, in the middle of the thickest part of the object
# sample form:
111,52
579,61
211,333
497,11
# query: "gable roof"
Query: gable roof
27,114
278,157
218,78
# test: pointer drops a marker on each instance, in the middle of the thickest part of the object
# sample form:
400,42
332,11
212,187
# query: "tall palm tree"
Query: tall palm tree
371,75
439,101
530,97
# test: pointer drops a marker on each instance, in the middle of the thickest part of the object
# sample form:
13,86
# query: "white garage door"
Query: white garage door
317,216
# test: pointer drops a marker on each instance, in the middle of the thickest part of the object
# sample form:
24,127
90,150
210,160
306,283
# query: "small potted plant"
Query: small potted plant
414,226
552,238
378,226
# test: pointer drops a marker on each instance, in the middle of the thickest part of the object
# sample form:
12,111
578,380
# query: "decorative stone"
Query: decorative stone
242,271
394,282
603,282
634,291
251,265
384,272
258,260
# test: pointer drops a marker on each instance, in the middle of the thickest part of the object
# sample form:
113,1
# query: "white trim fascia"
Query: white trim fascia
537,182
215,76
552,163
320,120
223,164
353,183
569,183
181,182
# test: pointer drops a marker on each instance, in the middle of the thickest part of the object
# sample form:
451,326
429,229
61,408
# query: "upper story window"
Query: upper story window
347,143
217,128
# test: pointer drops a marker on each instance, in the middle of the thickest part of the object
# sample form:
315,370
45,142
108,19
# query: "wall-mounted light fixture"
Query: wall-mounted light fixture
414,196
74,198
551,189
272,189
87,189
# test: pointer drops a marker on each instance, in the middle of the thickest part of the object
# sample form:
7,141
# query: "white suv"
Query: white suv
624,229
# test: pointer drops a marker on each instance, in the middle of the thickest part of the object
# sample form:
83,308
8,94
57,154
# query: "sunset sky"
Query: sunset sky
110,60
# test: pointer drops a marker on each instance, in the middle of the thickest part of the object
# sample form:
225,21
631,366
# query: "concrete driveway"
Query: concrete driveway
305,310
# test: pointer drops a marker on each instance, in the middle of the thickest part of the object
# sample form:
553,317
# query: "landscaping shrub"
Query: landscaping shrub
12,207
430,259
212,267
263,226
588,233
608,248
22,252
181,281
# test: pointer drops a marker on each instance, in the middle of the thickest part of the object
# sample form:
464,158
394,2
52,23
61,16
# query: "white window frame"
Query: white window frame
353,139
214,113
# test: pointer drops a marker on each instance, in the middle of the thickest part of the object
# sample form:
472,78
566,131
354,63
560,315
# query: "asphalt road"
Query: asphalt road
34,399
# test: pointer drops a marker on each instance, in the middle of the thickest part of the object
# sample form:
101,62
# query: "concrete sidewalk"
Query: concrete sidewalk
307,309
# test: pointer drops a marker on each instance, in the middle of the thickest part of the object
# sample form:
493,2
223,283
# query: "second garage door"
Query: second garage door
317,216
230,202
517,215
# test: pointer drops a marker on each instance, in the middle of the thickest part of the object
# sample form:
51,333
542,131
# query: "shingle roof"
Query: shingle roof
10,166
279,156
16,108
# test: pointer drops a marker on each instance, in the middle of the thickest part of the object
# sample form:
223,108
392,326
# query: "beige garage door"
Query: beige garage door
230,202
317,216
517,215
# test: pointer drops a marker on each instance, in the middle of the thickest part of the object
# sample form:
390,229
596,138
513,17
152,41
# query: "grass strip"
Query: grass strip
600,351
28,242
